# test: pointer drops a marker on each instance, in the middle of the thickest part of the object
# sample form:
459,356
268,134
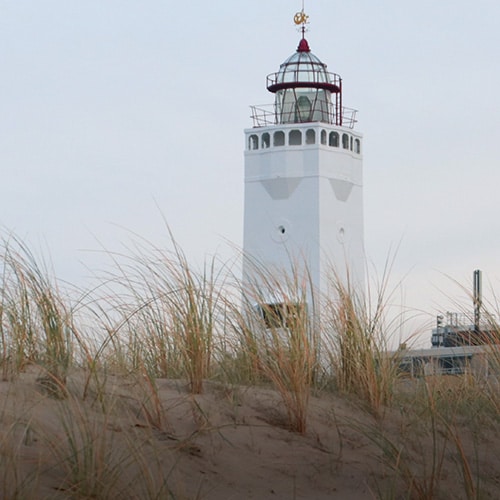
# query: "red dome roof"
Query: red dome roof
303,46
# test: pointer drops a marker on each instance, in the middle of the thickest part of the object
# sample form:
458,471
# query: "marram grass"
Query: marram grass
102,361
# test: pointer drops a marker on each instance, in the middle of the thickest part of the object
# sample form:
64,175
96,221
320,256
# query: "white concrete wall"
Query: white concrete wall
314,194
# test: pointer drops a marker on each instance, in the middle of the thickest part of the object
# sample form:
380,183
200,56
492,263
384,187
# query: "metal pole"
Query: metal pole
477,299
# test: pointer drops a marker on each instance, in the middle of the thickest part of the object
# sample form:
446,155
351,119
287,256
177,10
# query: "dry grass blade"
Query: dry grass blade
279,338
171,317
357,336
40,325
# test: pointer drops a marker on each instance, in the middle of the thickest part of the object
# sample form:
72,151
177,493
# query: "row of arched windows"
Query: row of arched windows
295,137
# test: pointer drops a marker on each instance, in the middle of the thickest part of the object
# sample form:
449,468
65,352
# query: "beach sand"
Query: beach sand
119,438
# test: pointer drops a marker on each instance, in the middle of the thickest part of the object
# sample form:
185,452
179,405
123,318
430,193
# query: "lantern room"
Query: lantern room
305,91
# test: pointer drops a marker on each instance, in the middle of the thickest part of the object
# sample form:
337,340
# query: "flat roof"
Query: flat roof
443,352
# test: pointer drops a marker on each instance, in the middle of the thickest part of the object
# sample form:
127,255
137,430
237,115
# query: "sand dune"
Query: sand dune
125,440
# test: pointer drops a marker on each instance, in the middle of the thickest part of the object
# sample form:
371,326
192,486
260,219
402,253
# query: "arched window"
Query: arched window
310,136
351,142
266,140
334,140
345,141
295,138
253,142
357,146
279,138
323,137
303,109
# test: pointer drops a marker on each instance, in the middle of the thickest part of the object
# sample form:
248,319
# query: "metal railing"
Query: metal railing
305,74
267,114
466,320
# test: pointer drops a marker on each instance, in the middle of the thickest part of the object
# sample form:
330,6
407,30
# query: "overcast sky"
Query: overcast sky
114,113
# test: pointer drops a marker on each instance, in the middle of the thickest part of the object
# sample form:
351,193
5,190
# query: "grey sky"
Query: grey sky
112,111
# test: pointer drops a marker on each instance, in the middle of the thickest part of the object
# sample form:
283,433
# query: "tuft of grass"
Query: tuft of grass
278,338
152,406
357,344
432,438
20,344
36,324
168,314
84,453
415,455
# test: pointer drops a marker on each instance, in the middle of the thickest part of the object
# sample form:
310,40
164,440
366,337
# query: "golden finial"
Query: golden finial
301,18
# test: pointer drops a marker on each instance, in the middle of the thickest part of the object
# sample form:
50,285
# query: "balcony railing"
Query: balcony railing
304,76
267,114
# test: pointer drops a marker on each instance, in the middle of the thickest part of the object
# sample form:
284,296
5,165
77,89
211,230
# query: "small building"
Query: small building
479,360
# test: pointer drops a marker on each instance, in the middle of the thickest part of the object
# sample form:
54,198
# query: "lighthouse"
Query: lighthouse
303,211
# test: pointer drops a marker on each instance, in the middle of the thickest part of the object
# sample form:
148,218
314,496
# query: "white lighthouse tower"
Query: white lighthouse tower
304,178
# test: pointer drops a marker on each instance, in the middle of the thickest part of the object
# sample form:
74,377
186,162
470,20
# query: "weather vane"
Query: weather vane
301,18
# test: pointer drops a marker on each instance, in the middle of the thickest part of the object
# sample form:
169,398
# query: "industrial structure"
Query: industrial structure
461,329
460,342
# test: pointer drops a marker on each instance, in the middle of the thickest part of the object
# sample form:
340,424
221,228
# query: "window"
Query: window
351,143
303,109
310,136
282,315
323,137
279,138
334,140
295,138
266,140
345,141
253,142
357,146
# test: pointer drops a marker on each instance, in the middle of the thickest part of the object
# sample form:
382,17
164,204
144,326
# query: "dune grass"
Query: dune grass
277,337
357,334
429,440
155,317
167,314
36,324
